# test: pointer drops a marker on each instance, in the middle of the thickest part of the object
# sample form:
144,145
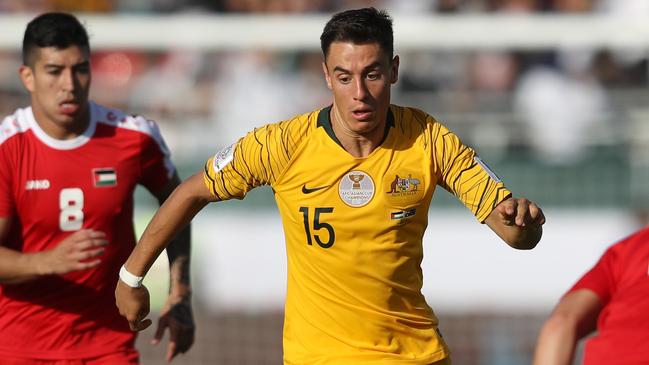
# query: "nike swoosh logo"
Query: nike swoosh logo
306,190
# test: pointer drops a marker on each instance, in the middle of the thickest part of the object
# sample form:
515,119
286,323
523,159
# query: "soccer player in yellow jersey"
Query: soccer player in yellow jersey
353,183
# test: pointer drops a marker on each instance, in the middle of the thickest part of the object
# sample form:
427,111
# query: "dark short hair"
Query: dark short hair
58,30
359,26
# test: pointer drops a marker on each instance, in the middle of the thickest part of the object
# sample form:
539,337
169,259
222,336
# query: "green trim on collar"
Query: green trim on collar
324,121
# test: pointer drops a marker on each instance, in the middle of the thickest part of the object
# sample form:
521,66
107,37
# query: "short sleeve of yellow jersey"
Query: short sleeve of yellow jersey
257,159
460,171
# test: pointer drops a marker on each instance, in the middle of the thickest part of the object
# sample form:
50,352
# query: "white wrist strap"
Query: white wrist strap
130,279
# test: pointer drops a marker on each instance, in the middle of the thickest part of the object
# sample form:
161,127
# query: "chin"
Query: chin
364,127
67,118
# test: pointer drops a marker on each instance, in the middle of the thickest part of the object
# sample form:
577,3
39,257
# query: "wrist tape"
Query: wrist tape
130,279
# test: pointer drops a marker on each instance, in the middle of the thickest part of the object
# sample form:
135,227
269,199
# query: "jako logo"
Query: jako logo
37,185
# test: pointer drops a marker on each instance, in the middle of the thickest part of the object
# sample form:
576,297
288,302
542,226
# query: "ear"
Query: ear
326,74
27,77
394,70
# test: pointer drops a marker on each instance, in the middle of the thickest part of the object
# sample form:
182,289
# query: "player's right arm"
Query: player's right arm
573,318
177,211
79,251
255,160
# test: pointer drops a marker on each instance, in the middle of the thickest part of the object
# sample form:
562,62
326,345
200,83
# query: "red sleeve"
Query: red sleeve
156,165
6,200
602,278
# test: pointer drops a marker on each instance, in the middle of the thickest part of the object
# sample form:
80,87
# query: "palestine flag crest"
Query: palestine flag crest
104,177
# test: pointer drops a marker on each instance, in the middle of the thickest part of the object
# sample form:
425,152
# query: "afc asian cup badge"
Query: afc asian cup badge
356,189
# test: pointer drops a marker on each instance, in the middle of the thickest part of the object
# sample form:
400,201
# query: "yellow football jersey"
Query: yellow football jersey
354,229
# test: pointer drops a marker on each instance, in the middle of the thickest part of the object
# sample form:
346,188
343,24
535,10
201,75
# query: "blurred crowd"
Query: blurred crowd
325,6
558,96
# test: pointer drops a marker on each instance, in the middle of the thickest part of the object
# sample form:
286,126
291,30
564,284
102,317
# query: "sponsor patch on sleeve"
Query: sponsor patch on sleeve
487,169
223,157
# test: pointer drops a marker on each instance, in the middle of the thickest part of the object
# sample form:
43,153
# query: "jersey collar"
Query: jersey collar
324,121
67,144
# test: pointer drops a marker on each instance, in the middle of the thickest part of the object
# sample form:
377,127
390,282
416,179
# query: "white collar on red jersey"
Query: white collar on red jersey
63,144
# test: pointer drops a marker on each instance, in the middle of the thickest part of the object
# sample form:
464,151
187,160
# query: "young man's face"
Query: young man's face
360,76
59,83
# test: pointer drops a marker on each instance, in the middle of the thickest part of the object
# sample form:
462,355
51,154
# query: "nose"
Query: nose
68,80
360,92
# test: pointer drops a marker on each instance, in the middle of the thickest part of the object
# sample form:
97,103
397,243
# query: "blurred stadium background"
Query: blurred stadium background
554,94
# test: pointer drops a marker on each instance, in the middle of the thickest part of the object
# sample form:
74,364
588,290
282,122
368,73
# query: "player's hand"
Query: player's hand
177,316
133,304
78,251
519,212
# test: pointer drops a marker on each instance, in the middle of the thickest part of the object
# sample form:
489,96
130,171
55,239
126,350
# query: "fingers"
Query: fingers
81,256
506,211
139,322
133,303
84,246
140,325
163,323
180,340
172,351
537,214
86,265
90,244
172,348
87,238
87,234
520,212
87,254
184,340
180,322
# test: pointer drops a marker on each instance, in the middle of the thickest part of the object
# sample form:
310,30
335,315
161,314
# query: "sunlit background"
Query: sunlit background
553,94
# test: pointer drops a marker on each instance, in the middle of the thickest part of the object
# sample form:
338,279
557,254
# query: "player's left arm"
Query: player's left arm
574,318
459,170
518,222
177,313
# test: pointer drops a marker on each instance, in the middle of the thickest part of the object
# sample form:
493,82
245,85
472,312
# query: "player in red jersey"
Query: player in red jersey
68,169
612,299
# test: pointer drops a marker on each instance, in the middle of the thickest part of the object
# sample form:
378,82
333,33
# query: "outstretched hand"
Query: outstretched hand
178,318
519,212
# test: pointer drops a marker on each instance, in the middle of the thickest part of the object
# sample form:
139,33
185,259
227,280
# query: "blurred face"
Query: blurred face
360,76
59,82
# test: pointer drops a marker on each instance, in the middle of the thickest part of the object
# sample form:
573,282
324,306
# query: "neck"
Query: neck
62,131
359,145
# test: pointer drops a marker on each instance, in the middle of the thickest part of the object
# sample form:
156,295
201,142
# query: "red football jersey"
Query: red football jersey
53,188
621,280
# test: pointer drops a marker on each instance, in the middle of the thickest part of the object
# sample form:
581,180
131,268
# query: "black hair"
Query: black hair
359,26
60,30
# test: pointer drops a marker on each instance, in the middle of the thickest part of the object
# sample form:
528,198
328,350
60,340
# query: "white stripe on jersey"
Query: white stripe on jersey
61,144
491,174
13,124
136,123
23,120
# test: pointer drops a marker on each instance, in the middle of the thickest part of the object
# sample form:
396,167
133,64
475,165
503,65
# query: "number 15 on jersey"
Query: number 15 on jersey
318,225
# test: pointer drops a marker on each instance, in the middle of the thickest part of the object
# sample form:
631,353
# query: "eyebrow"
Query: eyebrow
56,65
368,67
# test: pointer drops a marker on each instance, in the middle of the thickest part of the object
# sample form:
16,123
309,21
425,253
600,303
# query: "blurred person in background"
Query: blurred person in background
612,299
562,105
265,70
69,169
353,183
